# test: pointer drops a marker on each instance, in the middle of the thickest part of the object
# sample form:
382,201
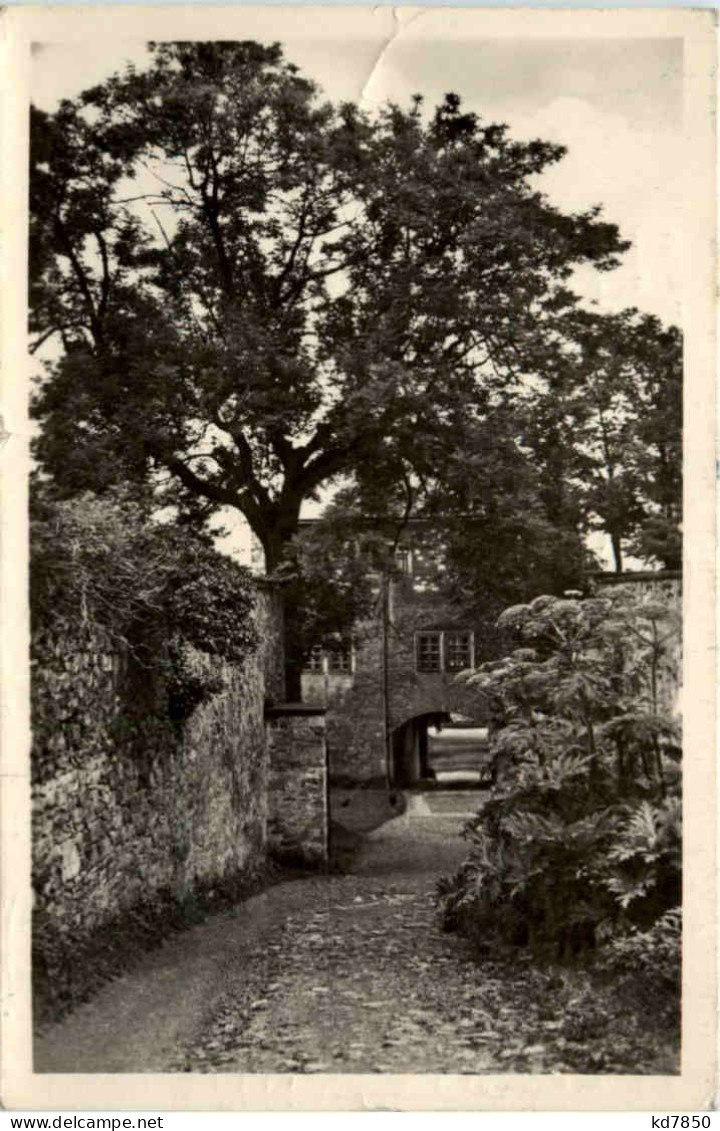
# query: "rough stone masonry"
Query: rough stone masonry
128,809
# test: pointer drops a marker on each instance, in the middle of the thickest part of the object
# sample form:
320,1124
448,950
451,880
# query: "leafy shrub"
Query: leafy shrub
101,564
97,563
654,953
580,838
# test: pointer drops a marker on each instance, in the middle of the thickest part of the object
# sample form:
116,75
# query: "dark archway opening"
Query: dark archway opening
439,749
409,748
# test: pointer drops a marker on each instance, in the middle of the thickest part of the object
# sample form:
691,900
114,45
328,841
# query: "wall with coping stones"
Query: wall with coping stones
297,769
127,806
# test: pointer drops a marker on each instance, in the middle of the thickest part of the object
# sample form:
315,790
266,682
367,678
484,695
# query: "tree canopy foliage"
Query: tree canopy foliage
613,400
257,293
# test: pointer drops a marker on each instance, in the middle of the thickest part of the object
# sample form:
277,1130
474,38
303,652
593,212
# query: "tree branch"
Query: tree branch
216,492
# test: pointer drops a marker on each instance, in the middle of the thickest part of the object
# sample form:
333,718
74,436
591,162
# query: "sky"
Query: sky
616,104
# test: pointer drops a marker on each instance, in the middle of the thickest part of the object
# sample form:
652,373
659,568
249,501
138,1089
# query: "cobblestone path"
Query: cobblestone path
343,974
359,978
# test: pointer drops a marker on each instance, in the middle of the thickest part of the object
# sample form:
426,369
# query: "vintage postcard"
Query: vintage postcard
358,558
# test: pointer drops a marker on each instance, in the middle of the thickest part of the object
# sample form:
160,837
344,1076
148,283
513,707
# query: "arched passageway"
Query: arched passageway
410,748
459,754
435,748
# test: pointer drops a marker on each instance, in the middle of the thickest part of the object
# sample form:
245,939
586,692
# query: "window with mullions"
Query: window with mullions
403,561
458,651
314,662
340,660
443,651
428,652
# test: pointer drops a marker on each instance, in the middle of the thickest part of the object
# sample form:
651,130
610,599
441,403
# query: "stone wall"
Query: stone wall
127,804
297,768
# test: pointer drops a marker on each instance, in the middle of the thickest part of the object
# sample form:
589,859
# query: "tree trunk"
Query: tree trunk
275,538
617,552
293,654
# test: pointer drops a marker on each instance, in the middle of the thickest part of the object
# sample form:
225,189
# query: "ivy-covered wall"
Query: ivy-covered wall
130,804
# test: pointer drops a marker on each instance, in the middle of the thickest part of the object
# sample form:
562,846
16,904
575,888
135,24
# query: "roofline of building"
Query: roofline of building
610,578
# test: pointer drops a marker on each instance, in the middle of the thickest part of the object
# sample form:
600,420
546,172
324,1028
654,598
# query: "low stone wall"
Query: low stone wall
297,783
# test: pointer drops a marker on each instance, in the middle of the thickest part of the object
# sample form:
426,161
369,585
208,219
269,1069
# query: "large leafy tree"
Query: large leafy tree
256,292
506,528
607,421
476,500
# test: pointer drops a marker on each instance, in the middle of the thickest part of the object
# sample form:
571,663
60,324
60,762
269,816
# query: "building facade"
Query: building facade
401,673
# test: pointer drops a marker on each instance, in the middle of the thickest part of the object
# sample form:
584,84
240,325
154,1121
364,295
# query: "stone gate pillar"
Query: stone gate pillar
297,783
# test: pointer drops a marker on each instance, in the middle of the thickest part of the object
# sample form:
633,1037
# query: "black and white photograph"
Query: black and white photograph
356,430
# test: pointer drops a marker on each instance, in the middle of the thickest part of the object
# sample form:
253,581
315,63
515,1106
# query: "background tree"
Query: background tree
330,577
593,440
475,498
505,533
607,424
256,292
